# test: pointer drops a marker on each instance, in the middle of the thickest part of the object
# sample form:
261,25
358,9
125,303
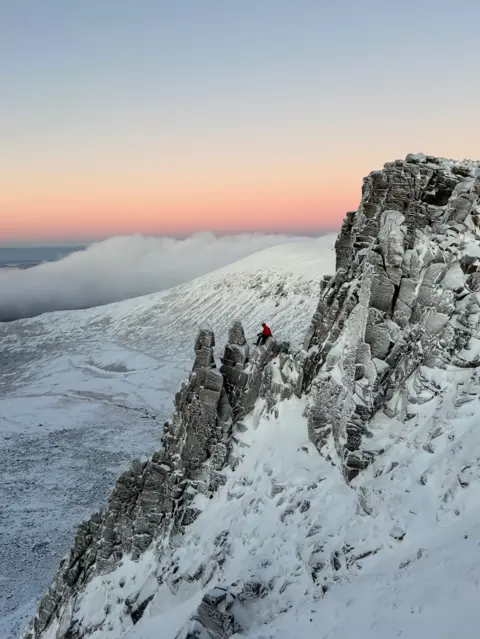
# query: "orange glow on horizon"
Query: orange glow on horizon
84,206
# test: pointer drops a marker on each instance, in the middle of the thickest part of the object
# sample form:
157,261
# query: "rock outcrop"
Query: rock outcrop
216,617
244,372
404,295
152,500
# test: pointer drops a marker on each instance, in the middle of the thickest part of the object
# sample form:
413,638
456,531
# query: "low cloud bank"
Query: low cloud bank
120,268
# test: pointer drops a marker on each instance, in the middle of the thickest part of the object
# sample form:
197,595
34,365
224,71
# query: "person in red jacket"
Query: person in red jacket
264,335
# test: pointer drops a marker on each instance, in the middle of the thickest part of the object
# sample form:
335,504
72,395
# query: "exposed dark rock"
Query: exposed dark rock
251,591
137,614
403,296
215,617
153,499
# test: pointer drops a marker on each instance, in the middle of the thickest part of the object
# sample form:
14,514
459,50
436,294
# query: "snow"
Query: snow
123,267
393,554
465,186
435,595
300,258
454,277
84,392
472,249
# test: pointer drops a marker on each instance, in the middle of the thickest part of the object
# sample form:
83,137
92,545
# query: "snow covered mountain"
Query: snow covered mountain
323,491
117,269
82,393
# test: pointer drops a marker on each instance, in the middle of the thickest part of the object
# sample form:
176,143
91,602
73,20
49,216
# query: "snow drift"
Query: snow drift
120,268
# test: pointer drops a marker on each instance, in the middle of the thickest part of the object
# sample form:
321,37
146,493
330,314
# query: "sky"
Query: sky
161,117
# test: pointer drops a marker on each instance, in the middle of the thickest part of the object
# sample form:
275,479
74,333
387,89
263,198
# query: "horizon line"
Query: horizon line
68,242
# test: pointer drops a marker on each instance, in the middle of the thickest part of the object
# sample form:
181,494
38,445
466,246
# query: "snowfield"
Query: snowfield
84,392
393,555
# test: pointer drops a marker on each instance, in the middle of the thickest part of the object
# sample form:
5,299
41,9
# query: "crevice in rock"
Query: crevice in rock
396,293
137,614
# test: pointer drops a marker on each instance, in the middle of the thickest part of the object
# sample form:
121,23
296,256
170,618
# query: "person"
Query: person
264,335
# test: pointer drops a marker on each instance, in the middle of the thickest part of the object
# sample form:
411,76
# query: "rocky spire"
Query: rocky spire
403,296
153,500
247,376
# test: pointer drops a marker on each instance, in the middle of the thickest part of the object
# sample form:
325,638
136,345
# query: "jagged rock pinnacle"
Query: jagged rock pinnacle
152,500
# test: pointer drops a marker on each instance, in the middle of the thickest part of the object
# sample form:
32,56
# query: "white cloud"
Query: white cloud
120,268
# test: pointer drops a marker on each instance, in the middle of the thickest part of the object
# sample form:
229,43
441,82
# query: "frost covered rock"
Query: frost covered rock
403,299
248,375
215,618
153,500
204,348
405,293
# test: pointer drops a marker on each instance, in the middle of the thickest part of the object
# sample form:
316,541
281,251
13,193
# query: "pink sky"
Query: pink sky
121,196
81,206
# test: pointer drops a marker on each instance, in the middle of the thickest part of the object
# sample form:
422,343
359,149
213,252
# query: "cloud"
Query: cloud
120,268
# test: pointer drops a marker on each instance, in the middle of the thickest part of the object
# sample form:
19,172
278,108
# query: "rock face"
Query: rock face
244,373
151,501
216,617
405,294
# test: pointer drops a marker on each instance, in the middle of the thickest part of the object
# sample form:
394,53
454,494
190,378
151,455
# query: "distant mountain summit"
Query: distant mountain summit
290,483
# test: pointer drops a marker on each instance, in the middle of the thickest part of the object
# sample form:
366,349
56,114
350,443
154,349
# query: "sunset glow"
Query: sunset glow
223,117
80,207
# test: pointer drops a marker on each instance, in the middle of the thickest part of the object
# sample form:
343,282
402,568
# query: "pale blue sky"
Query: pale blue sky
112,91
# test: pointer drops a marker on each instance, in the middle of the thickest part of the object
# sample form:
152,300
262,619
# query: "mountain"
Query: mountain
319,491
82,393
118,268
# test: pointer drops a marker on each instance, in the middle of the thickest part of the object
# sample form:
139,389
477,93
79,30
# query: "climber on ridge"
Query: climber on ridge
264,335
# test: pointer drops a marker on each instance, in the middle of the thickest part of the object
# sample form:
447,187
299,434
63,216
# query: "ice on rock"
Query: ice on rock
416,157
293,488
392,240
420,286
454,277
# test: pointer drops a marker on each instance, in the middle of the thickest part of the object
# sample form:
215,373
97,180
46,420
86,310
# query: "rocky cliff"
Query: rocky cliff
405,296
151,501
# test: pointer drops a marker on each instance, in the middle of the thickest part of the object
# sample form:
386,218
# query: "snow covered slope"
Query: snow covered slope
394,554
83,392
319,492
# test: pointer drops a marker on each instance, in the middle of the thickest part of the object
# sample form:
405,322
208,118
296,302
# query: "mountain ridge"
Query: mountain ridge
121,268
82,393
395,324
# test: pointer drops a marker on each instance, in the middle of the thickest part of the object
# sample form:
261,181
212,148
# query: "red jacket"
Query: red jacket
266,331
